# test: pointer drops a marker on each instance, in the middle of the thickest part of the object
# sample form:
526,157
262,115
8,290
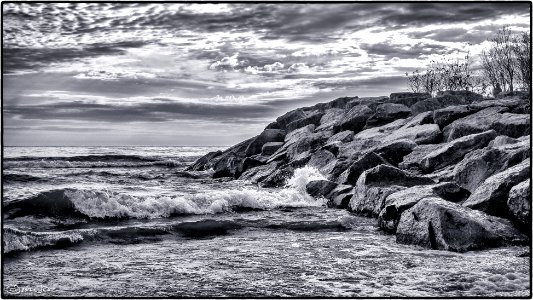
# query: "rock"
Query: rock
289,117
323,160
311,143
511,104
502,140
398,202
268,135
343,137
278,177
447,115
519,204
513,125
320,188
273,125
436,103
371,102
480,164
421,134
337,103
247,163
330,119
386,113
313,118
438,224
270,148
468,96
408,99
290,139
394,151
367,161
455,150
374,185
420,119
412,160
202,163
354,120
491,196
228,166
259,173
340,196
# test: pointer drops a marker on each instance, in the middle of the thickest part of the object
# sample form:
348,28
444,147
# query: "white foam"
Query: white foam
17,240
102,204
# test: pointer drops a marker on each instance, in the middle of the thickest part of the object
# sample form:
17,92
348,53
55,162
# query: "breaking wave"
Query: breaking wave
104,204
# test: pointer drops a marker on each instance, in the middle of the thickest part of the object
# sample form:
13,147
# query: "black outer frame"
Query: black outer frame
2,255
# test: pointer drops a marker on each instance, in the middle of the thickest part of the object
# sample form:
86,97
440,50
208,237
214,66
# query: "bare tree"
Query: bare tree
522,50
502,47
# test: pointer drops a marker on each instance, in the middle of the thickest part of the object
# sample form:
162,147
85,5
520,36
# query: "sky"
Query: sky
174,74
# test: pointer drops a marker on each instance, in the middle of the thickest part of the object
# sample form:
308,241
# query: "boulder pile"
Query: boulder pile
450,172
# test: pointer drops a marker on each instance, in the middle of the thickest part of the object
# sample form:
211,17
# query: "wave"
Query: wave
20,178
16,240
94,161
103,204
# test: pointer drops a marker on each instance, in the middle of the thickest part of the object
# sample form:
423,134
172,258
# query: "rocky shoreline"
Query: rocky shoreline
450,172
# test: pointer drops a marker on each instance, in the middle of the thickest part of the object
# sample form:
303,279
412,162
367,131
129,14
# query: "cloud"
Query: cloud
389,50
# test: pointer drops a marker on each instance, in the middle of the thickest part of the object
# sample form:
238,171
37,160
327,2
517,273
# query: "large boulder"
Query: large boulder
230,165
437,103
408,99
447,115
395,150
421,134
504,140
365,162
491,196
270,148
480,164
386,113
375,184
312,118
268,135
320,188
468,96
371,102
289,117
513,125
278,177
330,119
340,196
519,204
260,173
412,160
438,224
337,103
343,137
354,120
323,160
419,119
203,162
398,202
455,150
290,139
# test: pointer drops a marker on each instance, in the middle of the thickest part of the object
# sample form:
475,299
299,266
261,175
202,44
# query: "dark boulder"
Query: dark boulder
371,102
408,99
267,136
289,117
203,163
480,164
323,160
513,125
330,119
312,118
340,196
436,103
260,173
375,184
519,204
447,115
320,188
398,202
455,150
365,162
355,119
386,113
491,196
394,151
278,177
503,140
270,148
420,134
438,224
343,137
420,119
468,96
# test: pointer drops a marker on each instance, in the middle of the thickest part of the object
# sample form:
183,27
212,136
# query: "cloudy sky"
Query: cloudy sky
214,74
